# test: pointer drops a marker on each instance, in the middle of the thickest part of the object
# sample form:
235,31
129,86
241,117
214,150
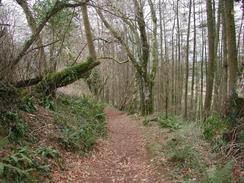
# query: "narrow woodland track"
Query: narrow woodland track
121,157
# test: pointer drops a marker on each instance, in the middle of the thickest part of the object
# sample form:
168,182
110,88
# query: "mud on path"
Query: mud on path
121,158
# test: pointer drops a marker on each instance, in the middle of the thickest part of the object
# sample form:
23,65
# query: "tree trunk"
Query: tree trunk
179,71
93,81
145,75
231,45
187,63
57,7
27,83
89,37
194,60
146,95
42,67
225,60
211,58
217,61
62,78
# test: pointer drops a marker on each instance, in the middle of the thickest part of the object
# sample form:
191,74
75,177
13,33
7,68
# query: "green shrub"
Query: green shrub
170,122
81,139
3,142
47,102
219,175
240,136
22,166
28,104
218,144
16,126
47,152
71,139
132,107
88,137
83,122
183,153
234,106
213,126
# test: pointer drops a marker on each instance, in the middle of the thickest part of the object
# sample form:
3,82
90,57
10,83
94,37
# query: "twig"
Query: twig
82,49
42,46
111,58
40,128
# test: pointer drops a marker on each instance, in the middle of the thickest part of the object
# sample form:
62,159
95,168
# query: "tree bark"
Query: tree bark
211,58
179,70
33,26
217,61
231,45
27,83
225,60
89,37
93,80
187,62
58,6
145,76
146,97
65,77
192,107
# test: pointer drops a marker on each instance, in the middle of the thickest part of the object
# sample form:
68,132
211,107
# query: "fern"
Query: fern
170,122
28,104
213,126
16,125
47,152
83,122
219,175
21,165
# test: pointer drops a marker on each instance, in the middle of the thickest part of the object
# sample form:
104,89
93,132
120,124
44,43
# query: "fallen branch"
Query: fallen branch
65,77
29,82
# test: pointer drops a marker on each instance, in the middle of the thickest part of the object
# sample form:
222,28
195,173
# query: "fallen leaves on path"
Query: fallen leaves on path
121,158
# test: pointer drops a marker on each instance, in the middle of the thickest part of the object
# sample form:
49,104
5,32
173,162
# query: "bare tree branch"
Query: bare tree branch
58,6
117,35
48,44
111,58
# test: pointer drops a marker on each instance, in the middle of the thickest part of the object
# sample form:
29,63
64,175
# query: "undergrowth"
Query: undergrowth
170,122
214,127
81,122
15,127
183,153
192,148
24,165
219,174
78,123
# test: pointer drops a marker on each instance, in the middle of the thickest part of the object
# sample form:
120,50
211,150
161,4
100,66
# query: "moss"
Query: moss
67,76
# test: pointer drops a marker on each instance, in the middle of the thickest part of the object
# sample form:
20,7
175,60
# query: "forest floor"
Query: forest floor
121,157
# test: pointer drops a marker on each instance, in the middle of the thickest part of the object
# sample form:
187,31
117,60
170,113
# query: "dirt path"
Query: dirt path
121,158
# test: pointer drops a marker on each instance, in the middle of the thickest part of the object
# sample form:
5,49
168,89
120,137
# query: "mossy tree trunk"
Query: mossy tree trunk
11,94
93,80
145,87
65,77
